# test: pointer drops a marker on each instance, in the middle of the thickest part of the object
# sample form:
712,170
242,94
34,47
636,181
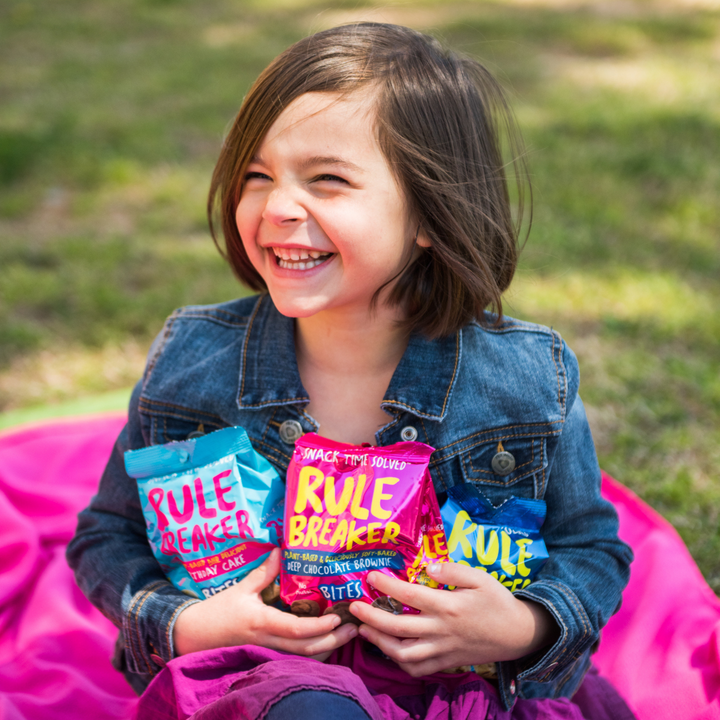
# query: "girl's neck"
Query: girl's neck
351,344
346,364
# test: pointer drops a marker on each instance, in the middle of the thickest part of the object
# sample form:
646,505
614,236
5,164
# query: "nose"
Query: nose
283,207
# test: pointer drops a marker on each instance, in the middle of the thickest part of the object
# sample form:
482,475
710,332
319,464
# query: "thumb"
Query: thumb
458,574
259,578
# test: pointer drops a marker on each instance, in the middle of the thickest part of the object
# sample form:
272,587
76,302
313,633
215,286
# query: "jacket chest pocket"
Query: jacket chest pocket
170,428
509,467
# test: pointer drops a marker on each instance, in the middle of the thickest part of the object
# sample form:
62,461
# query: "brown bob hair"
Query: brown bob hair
441,120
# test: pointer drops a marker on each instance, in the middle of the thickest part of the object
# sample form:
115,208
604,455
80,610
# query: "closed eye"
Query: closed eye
256,176
327,177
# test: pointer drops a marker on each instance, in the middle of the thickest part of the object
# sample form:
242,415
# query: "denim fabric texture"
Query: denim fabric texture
316,705
512,386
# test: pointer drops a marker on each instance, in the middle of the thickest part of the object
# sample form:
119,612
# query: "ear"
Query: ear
422,239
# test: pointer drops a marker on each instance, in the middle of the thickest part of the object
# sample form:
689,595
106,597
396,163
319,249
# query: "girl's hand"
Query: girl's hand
238,616
480,621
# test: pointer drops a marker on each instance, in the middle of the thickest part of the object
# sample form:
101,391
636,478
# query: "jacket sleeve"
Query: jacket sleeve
581,584
114,565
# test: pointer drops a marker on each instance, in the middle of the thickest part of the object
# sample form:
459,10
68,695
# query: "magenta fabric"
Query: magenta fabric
242,683
55,647
661,650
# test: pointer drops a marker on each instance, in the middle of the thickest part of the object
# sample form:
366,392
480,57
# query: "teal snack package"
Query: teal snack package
504,541
213,508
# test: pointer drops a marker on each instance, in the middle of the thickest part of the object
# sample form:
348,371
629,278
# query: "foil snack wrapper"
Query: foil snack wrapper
213,508
504,541
350,509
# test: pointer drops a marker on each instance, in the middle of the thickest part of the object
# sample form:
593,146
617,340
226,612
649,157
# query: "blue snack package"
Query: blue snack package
504,541
213,508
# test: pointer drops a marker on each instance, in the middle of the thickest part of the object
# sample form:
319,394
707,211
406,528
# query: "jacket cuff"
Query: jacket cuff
148,626
577,635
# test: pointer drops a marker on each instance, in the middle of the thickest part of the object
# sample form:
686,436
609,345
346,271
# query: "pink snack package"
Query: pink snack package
350,509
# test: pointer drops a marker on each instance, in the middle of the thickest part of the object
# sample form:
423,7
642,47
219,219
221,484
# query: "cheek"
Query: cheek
246,224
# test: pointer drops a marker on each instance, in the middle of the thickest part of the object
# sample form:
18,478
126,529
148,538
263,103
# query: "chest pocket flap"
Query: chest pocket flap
508,467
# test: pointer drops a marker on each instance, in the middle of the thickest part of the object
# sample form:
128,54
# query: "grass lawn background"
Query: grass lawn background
112,114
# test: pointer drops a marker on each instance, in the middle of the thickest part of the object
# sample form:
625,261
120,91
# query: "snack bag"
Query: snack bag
350,509
213,508
505,541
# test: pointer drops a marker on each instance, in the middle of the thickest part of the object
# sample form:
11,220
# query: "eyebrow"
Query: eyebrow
330,160
321,160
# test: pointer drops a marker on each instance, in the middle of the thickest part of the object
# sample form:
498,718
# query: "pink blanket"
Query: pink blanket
662,650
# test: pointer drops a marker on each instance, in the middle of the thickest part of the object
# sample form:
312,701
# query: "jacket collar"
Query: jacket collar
422,383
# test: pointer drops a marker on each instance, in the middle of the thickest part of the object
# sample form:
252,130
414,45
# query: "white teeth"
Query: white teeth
297,259
299,265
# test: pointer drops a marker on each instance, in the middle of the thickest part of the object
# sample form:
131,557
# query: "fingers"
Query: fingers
401,650
292,627
321,645
416,596
400,626
459,575
260,577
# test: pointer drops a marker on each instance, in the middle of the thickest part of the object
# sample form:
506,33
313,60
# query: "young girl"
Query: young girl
362,192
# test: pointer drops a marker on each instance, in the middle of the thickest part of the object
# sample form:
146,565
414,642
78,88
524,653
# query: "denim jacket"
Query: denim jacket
510,388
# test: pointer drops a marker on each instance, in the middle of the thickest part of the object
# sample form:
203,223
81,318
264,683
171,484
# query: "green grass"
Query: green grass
116,400
112,115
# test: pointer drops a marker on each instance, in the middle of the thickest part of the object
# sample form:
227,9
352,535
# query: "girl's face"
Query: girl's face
321,215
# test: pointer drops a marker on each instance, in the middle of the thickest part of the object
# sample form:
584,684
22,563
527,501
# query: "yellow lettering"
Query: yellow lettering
371,532
523,555
314,525
505,563
459,534
426,544
487,554
392,530
354,535
378,496
340,534
306,489
439,544
297,525
358,512
334,507
326,529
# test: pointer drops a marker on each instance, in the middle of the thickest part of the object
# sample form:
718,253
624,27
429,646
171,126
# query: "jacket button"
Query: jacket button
512,687
158,660
503,463
409,433
290,431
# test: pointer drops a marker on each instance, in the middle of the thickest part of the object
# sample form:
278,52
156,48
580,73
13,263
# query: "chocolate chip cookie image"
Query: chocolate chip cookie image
305,608
343,610
388,604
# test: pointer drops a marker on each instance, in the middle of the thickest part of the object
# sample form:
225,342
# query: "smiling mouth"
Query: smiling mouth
296,259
